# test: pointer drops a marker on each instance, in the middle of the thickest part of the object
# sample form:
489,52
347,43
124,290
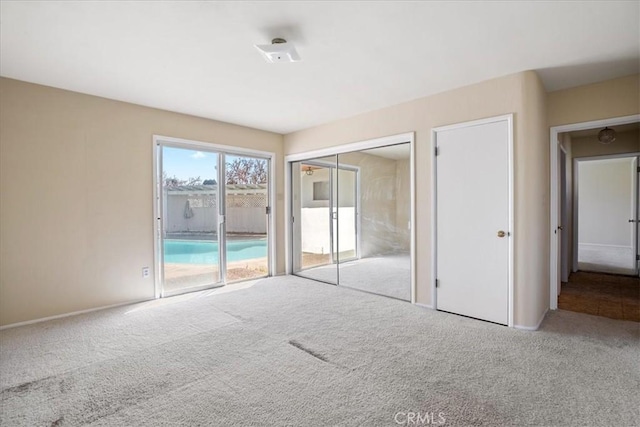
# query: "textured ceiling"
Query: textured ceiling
198,57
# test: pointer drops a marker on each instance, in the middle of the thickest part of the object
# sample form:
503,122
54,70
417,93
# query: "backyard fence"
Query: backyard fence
194,209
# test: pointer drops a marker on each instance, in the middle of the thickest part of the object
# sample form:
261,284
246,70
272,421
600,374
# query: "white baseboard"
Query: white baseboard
600,245
89,310
430,307
533,328
73,313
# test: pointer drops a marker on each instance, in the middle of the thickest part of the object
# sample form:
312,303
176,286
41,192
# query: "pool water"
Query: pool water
206,251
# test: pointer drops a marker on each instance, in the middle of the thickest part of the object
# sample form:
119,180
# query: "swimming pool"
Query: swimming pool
206,251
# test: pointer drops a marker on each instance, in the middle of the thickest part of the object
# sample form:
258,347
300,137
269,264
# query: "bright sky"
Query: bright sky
184,164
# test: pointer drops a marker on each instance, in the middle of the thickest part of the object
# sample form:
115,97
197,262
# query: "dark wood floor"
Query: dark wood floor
608,295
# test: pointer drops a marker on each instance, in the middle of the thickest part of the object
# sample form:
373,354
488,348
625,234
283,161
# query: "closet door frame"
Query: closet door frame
408,137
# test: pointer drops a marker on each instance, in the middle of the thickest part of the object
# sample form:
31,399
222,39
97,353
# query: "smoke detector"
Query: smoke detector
278,51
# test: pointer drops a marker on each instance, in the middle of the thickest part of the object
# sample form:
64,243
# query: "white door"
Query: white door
472,219
606,214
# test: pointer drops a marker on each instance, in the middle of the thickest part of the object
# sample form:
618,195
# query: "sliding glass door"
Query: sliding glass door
246,202
189,219
213,217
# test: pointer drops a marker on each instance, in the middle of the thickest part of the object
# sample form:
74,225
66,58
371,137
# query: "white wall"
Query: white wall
316,235
604,202
316,232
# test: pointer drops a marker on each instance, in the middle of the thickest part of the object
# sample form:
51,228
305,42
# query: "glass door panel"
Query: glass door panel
189,227
314,194
247,214
374,213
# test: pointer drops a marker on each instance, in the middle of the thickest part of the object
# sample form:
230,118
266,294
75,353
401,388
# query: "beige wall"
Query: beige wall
76,208
403,202
532,188
379,192
626,142
605,100
491,98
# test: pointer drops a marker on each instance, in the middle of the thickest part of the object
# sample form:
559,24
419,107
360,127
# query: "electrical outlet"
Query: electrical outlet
145,272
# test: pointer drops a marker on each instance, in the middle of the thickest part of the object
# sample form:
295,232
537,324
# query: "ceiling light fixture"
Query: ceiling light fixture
606,136
278,51
308,171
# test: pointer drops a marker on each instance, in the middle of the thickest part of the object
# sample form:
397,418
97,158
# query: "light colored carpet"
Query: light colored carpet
388,275
289,351
606,259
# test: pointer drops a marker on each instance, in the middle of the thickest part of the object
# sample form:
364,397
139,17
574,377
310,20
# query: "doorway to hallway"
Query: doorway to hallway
597,209
581,141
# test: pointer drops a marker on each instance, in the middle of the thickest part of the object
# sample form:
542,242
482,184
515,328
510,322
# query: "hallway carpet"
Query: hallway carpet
289,351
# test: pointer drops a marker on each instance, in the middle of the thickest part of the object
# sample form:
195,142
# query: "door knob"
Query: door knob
501,233
632,220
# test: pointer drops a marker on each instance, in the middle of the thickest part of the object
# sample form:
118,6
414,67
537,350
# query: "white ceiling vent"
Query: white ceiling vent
278,51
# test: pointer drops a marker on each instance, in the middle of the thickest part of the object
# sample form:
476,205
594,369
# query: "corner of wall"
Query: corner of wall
531,204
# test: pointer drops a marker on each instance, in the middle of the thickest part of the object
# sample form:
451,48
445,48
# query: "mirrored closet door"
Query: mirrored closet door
351,220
